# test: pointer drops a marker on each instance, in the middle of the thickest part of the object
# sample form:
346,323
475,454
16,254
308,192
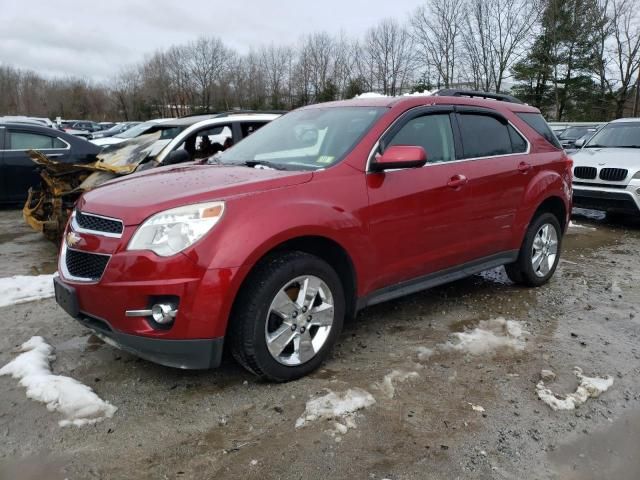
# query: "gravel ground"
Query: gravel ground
226,424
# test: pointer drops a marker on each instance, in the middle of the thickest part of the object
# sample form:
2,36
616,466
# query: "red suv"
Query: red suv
323,212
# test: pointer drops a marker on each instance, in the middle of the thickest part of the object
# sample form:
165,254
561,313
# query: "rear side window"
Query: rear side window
538,123
518,143
432,132
484,136
27,141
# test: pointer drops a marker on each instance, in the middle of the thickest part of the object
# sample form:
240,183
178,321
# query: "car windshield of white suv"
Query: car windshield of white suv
309,139
617,135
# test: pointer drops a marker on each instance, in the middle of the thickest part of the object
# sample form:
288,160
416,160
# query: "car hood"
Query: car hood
628,158
102,141
136,197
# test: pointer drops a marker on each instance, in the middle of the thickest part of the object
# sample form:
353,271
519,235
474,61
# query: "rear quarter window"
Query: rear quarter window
539,124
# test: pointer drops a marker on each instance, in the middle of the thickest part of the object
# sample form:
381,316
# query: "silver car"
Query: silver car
606,170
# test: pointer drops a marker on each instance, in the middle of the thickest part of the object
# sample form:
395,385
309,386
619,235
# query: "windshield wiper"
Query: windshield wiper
595,145
628,146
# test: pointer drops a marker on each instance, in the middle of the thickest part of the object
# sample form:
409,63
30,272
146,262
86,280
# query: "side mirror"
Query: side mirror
177,156
580,142
400,156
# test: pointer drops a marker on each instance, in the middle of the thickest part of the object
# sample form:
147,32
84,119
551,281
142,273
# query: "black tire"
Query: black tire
522,271
249,317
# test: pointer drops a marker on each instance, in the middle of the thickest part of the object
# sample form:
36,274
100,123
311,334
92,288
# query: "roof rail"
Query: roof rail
454,92
234,112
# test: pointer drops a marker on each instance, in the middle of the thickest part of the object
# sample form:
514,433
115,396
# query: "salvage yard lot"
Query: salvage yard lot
431,408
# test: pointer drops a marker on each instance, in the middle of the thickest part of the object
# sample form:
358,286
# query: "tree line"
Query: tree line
574,59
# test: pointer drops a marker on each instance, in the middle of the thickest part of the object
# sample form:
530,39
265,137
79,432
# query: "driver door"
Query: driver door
417,216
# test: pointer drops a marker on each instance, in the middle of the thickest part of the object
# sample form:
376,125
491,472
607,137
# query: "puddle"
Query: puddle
609,453
88,343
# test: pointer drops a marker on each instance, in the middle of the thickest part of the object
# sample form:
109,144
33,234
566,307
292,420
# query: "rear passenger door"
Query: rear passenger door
18,169
498,179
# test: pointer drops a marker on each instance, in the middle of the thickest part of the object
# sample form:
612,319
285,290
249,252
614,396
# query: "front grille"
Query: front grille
588,173
613,174
88,266
99,224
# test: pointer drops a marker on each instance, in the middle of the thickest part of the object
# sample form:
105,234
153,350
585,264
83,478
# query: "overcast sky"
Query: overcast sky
94,39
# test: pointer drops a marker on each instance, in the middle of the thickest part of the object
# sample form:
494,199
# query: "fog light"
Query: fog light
163,313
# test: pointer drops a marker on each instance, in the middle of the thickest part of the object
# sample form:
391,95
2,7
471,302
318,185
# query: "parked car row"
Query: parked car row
142,147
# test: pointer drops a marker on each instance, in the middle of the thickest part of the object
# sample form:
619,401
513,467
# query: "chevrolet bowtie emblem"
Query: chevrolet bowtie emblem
73,239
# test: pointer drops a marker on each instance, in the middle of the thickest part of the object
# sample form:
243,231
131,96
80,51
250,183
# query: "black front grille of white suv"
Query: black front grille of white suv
588,173
613,174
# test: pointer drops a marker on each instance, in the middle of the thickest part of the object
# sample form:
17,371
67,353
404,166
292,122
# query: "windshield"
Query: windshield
617,135
573,133
305,139
137,130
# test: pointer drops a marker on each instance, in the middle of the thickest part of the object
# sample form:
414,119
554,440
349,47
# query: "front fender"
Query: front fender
253,225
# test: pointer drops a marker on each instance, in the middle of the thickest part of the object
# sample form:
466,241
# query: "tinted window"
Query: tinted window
26,141
518,144
538,123
57,143
432,132
484,136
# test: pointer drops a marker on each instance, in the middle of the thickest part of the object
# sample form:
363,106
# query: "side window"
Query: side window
538,123
518,144
27,141
432,132
250,127
484,136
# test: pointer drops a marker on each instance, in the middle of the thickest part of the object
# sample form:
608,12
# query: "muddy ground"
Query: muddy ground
226,424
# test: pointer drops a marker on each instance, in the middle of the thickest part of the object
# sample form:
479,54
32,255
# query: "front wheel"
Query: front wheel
539,254
287,317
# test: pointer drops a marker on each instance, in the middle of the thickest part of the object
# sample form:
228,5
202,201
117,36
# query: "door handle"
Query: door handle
53,155
457,181
524,167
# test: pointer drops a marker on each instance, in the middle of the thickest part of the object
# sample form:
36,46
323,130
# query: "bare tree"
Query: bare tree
625,50
437,30
388,48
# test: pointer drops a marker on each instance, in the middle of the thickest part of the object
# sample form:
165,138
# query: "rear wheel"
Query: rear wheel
287,317
539,254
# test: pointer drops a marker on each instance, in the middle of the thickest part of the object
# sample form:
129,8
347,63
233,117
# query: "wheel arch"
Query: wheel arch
556,206
324,248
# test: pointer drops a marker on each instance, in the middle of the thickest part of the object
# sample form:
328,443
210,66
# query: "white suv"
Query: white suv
606,171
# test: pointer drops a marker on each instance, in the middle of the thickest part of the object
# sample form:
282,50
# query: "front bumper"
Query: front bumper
624,200
196,354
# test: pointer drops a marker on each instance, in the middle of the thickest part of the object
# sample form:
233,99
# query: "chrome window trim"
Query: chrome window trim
62,265
377,144
77,228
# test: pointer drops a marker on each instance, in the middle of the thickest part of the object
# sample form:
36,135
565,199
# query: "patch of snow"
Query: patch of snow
424,93
370,95
490,335
477,408
76,401
25,288
589,387
424,353
333,406
578,226
387,386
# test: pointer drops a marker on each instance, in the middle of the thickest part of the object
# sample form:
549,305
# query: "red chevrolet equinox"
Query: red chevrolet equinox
331,208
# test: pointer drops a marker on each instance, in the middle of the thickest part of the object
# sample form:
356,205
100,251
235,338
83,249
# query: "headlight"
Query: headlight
171,231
